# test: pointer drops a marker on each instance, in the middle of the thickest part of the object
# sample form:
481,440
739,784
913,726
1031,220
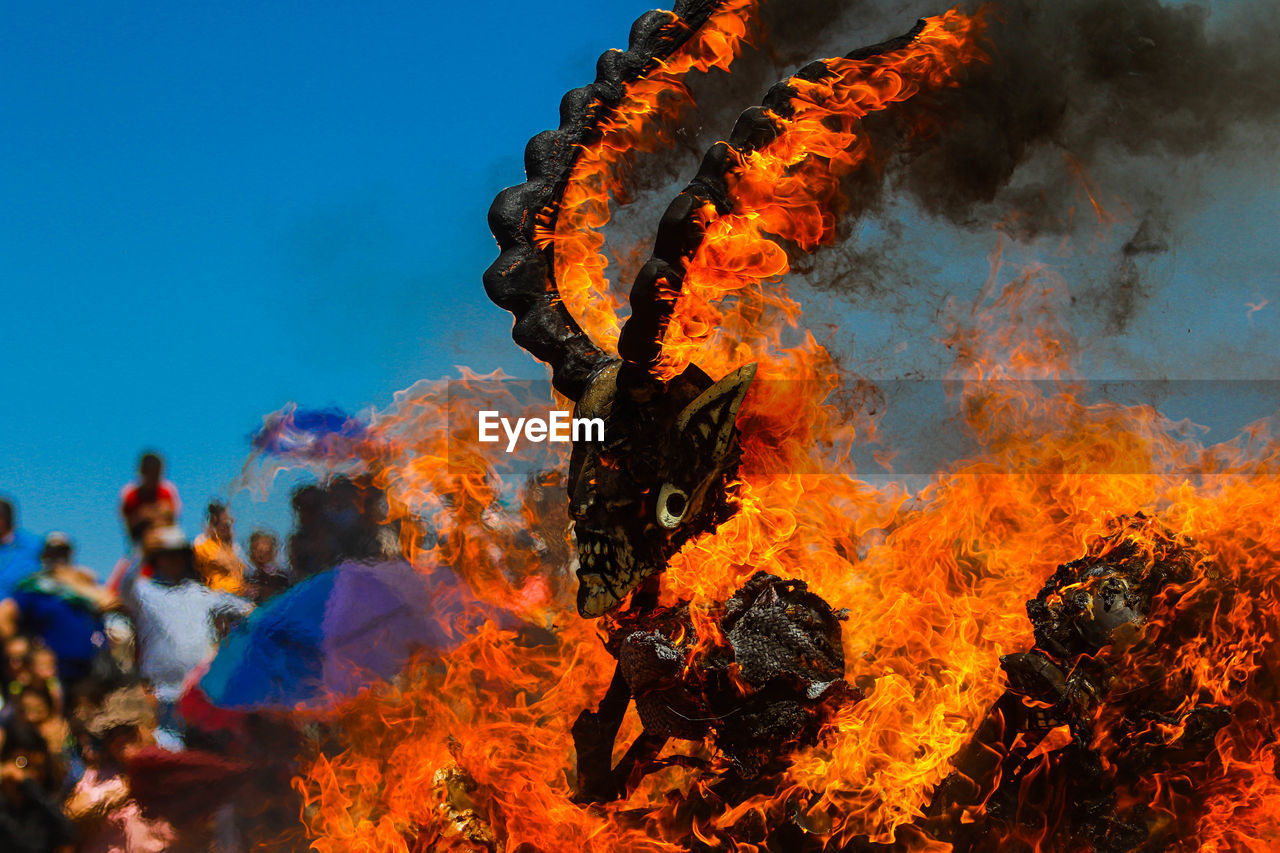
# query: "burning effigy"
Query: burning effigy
702,627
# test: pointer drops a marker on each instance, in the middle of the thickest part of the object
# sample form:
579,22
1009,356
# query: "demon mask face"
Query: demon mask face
659,477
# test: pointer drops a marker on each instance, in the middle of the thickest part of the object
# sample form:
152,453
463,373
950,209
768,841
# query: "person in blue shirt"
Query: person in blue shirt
19,551
62,605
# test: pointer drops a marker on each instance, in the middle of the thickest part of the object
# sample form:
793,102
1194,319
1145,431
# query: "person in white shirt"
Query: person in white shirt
176,619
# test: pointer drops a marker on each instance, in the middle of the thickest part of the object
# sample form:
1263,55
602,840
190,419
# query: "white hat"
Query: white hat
162,539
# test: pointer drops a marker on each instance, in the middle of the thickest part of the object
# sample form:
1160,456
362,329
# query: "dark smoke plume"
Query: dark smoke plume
1091,142
1095,80
1107,121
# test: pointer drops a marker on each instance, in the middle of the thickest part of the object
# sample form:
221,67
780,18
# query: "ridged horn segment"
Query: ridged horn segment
522,279
680,233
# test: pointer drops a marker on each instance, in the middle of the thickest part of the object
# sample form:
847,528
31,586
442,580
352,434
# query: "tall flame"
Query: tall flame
638,124
470,749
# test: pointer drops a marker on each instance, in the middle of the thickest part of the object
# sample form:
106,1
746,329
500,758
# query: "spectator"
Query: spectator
191,790
36,709
31,819
19,551
63,606
311,546
174,615
58,559
102,805
357,516
267,577
81,702
17,660
44,670
151,501
345,520
219,560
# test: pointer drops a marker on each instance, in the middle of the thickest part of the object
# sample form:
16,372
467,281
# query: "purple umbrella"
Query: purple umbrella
335,633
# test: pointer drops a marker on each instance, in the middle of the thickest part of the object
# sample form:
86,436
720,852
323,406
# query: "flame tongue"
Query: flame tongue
787,189
637,124
937,584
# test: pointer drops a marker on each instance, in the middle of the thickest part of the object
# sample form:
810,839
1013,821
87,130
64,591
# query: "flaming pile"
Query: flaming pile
760,650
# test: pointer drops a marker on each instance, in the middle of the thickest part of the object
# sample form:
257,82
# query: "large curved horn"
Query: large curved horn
657,286
522,279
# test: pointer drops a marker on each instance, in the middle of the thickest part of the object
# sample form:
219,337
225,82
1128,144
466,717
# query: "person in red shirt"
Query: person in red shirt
150,501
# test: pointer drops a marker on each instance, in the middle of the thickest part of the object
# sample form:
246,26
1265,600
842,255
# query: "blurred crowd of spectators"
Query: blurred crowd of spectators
95,753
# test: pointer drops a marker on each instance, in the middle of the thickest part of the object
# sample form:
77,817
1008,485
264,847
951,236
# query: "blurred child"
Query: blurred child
267,578
44,671
17,665
31,820
36,709
102,805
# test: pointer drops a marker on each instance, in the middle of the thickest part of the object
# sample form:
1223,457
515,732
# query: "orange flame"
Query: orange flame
638,124
471,749
788,191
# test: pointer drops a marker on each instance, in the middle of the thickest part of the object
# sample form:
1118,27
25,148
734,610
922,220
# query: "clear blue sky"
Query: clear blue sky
211,210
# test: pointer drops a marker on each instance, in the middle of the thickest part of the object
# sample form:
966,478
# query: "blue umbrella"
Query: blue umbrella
333,634
309,433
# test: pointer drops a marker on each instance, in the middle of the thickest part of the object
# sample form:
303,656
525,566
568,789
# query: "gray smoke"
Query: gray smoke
1163,114
1100,82
1152,110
